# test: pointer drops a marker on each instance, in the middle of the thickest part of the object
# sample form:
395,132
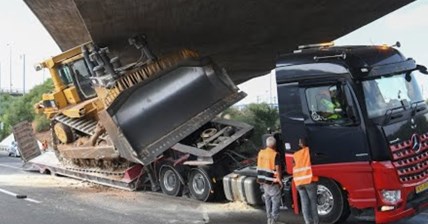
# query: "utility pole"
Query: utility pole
23,73
0,78
10,67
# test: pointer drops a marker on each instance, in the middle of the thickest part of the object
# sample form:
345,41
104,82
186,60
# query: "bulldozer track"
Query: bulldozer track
85,125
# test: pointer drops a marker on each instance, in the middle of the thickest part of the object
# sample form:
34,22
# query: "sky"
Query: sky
409,25
22,33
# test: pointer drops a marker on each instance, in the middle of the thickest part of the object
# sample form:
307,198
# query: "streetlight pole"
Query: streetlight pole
10,67
23,73
0,78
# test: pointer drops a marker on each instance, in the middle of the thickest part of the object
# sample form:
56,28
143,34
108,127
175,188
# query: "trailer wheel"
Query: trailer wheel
63,133
170,181
200,185
333,206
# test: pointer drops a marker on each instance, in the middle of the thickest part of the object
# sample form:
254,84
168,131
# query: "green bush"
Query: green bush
16,109
41,123
261,116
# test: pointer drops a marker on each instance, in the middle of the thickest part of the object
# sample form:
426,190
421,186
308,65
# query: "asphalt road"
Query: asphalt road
53,199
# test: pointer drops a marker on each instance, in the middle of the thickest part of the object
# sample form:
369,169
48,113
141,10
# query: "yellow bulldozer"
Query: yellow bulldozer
157,112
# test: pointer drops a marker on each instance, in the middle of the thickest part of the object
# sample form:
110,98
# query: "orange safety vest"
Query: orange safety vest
302,170
266,172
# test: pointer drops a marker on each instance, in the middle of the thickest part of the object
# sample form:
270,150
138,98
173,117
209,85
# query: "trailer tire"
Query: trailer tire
332,203
200,185
170,181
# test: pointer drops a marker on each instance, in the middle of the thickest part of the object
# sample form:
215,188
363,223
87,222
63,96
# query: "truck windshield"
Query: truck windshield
387,92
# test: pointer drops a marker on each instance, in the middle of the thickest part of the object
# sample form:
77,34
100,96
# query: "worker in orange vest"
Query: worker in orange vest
305,182
45,145
269,176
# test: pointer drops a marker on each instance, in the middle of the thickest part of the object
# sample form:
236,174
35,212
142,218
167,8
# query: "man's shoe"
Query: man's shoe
269,221
277,222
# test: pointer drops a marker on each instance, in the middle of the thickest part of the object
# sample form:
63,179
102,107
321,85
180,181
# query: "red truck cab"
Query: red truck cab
362,110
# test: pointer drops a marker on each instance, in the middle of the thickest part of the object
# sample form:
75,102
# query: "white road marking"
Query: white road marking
8,192
14,195
32,200
9,166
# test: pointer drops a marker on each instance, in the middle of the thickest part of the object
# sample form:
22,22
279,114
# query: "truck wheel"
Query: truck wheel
333,206
63,133
170,181
200,186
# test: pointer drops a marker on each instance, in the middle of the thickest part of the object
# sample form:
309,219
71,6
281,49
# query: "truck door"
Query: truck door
291,114
291,118
333,123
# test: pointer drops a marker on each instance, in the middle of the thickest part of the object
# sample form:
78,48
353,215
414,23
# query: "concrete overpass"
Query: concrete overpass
244,36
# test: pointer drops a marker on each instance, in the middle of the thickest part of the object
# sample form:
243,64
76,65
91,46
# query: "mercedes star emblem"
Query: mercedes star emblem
416,143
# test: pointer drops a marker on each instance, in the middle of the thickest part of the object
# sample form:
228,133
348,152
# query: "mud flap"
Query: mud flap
159,113
27,143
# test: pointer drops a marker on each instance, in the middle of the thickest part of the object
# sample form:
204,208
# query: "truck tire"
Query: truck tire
170,181
200,185
63,133
332,203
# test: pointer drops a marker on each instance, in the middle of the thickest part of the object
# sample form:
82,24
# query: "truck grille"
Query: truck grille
411,165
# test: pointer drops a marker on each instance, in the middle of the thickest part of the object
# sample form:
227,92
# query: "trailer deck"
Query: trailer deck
128,179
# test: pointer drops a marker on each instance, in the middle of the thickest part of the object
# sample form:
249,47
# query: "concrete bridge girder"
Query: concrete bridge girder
244,36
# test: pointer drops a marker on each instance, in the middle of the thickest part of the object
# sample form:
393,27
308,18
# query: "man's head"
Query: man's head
270,142
303,142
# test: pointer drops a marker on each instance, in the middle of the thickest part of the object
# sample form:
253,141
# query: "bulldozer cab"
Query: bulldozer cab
76,74
72,81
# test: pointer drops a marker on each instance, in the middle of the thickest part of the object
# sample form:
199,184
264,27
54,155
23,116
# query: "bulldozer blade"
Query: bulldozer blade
155,115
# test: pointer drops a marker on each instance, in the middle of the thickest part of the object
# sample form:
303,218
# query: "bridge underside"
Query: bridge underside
243,36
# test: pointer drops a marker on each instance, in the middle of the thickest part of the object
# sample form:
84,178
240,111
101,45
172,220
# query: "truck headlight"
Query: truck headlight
391,196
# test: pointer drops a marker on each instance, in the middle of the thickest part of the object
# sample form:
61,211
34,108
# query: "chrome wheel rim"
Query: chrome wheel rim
198,184
325,201
169,180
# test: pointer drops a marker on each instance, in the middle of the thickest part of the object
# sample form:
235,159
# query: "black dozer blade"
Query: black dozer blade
149,118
